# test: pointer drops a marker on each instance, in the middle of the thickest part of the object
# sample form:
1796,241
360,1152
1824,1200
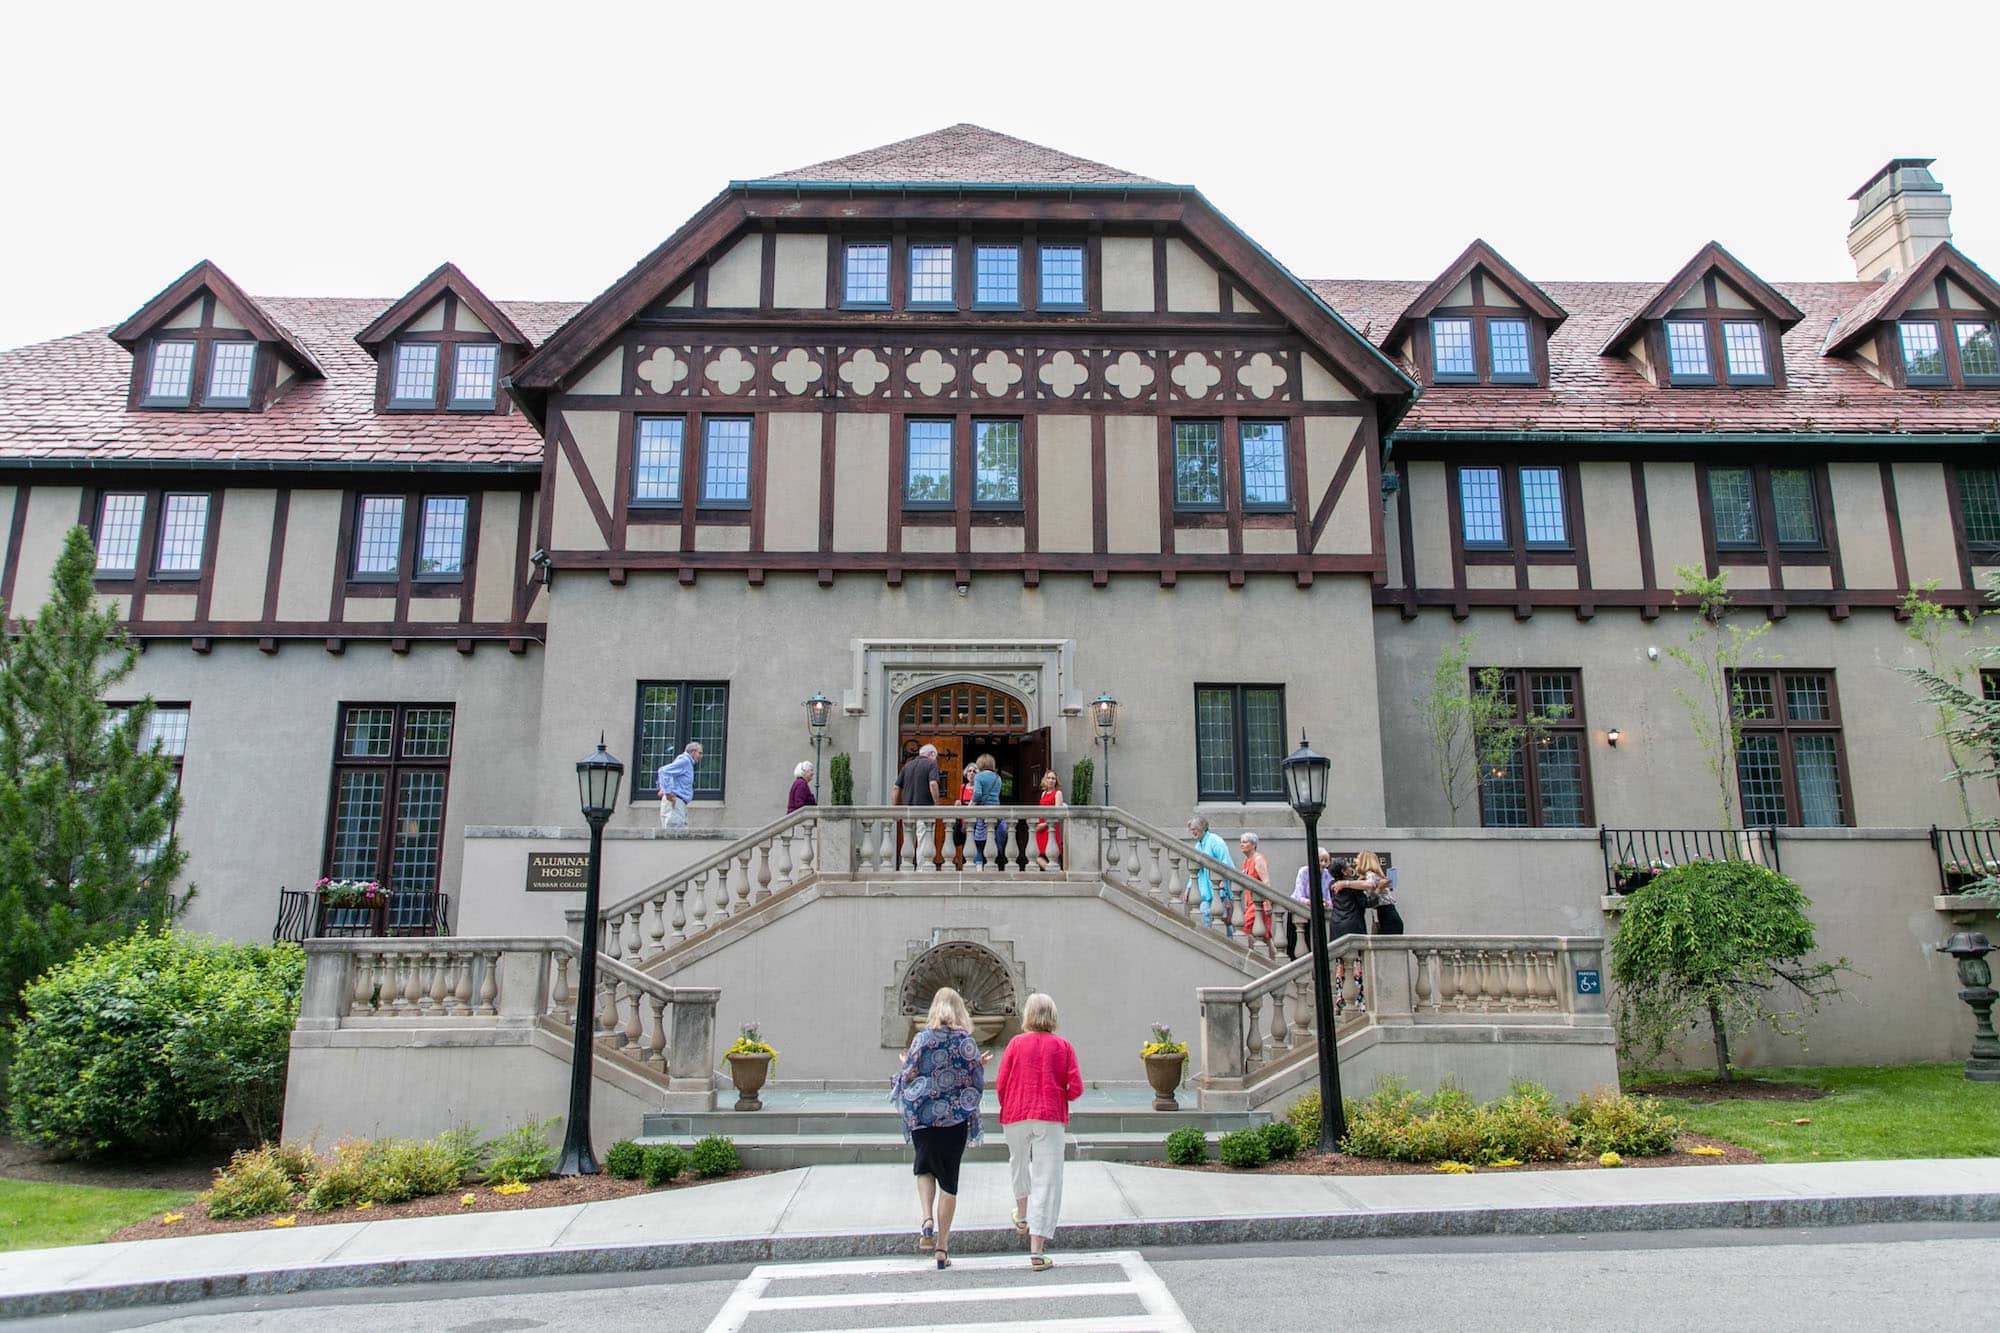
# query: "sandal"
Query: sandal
1040,1263
1020,1225
927,1236
943,1260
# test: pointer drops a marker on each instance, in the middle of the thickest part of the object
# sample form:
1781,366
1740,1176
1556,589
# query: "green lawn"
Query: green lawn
1887,1111
34,1215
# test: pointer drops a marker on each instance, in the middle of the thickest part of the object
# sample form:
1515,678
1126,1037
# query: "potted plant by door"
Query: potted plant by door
1166,1061
750,1059
351,906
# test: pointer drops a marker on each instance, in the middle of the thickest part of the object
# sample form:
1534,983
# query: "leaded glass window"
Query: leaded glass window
1266,474
1542,512
1197,465
1732,506
1788,764
656,460
867,274
1743,351
996,274
1794,508
927,451
1687,351
1978,353
670,715
391,773
1451,349
378,540
441,549
931,275
725,461
1923,352
1062,275
996,463
1979,504
120,515
1239,742
183,533
1482,510
416,374
1511,354
230,366
170,378
1540,781
475,375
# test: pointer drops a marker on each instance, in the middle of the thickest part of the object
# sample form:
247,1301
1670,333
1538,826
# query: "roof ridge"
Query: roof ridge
965,153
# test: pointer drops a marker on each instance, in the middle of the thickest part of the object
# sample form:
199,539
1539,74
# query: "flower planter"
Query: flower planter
748,1073
356,920
1164,1073
1638,879
1957,881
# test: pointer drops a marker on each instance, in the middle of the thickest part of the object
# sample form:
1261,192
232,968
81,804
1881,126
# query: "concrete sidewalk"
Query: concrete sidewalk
844,1211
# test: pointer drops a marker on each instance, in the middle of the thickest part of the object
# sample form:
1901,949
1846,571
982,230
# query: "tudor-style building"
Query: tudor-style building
961,432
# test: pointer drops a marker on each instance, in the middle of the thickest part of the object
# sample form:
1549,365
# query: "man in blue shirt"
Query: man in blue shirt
1209,843
676,782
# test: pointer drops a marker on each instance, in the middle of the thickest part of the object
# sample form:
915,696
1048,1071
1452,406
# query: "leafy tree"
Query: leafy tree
1082,781
87,850
840,776
1715,648
1970,725
1721,941
1472,721
1940,631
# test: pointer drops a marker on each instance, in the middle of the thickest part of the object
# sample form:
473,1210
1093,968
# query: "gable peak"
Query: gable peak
964,154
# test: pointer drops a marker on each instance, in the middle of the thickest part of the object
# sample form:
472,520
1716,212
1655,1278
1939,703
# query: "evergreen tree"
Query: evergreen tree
87,852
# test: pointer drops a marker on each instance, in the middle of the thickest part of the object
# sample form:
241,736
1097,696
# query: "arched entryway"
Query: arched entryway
966,719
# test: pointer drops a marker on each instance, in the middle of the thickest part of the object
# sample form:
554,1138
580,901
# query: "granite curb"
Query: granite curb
1571,1219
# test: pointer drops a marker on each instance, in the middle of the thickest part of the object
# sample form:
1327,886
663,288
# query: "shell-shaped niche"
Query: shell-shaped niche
975,972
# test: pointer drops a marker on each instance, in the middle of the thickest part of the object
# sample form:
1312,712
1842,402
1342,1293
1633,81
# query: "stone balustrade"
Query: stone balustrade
700,897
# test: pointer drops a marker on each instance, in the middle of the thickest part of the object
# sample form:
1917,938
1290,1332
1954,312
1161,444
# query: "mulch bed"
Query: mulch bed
553,1193
190,1171
1310,1163
1737,1089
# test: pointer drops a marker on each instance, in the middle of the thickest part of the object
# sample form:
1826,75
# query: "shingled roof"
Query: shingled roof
965,154
65,400
1590,392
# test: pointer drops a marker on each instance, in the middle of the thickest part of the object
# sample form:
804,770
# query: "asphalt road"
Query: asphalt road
1943,1276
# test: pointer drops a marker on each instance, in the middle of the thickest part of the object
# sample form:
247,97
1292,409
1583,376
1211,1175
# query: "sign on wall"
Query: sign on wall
1588,982
557,872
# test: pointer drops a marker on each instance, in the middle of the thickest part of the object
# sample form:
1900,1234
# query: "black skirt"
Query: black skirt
939,1151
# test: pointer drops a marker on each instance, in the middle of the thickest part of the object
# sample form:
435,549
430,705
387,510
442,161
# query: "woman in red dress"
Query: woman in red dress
1044,831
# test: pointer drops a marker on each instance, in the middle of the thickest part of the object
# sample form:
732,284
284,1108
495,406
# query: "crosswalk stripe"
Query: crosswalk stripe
1111,1323
922,1263
953,1296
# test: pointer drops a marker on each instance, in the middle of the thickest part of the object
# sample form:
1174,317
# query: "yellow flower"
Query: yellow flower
1610,1159
1455,1168
467,1200
364,1205
511,1187
1705,1150
290,1221
172,1218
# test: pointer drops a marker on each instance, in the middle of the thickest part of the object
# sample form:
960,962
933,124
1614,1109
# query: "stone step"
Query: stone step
772,1123
783,1151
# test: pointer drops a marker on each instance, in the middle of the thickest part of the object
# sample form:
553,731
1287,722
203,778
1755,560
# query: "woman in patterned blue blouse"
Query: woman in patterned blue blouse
937,1089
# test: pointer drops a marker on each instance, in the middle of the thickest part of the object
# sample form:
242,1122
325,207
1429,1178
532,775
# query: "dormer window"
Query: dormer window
1968,356
442,348
416,375
170,381
203,343
1743,347
1713,323
1687,352
1479,322
1513,359
420,381
475,375
230,373
1691,352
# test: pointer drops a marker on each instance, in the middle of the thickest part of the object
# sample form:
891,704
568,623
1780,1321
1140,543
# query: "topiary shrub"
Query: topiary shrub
254,1183
1303,1115
522,1154
714,1156
840,777
1280,1140
625,1160
1610,1121
1242,1149
1082,778
660,1163
1187,1146
156,1042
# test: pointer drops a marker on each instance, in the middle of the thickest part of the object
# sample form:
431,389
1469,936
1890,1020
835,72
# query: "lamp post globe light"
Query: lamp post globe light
1305,788
1975,974
819,712
597,776
1104,711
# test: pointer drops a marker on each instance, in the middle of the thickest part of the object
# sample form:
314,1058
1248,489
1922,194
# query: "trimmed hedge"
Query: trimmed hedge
1187,1146
714,1156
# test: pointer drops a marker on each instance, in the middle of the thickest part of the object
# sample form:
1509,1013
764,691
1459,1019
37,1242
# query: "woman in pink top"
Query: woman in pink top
1038,1080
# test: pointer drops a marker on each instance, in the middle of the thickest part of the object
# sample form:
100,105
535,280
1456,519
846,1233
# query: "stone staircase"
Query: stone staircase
815,1128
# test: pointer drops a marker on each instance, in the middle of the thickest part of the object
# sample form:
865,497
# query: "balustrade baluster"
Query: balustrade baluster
783,867
1113,863
399,983
808,848
489,984
721,912
763,889
1457,991
559,993
1281,1033
1488,985
362,984
1421,985
680,922
743,882
657,1034
461,991
698,887
635,1028
1152,866
629,943
1509,989
439,963
607,1006
1253,1033
1302,1004
656,926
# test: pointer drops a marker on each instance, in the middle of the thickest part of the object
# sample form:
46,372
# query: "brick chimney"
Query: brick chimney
1900,215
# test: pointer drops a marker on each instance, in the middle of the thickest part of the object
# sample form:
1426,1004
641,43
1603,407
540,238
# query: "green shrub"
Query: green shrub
1187,1146
254,1183
467,1149
1303,1116
1525,1126
1610,1121
714,1156
1243,1148
387,1170
840,777
1399,1125
625,1160
156,1041
1082,777
660,1163
523,1153
1280,1140
298,1161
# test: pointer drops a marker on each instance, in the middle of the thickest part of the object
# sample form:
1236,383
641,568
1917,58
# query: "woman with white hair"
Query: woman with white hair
937,1088
802,788
1038,1080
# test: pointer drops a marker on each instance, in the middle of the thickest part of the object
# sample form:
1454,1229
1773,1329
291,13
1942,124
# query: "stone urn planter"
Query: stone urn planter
748,1073
1164,1073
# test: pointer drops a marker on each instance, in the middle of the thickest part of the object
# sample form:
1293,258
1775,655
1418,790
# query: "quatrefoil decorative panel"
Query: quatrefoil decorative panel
1129,374
1261,375
1062,374
663,370
796,371
930,372
730,371
1196,375
996,373
864,372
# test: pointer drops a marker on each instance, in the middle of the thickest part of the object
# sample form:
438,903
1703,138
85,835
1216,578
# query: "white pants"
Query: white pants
673,812
1035,1156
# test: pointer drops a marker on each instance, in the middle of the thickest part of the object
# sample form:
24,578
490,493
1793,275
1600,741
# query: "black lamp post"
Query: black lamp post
1305,787
819,711
597,778
1976,975
1104,709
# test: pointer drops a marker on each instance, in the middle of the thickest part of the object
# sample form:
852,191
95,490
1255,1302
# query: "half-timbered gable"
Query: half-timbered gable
202,344
443,348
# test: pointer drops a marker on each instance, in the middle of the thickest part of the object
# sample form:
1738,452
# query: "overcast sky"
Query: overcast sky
347,149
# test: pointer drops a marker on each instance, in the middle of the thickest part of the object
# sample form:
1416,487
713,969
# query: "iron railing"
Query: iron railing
1965,856
1632,856
406,915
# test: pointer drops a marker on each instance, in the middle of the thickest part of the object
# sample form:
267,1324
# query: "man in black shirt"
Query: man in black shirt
917,784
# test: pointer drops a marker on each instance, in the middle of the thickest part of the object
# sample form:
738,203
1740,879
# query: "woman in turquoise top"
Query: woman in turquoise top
937,1088
985,791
